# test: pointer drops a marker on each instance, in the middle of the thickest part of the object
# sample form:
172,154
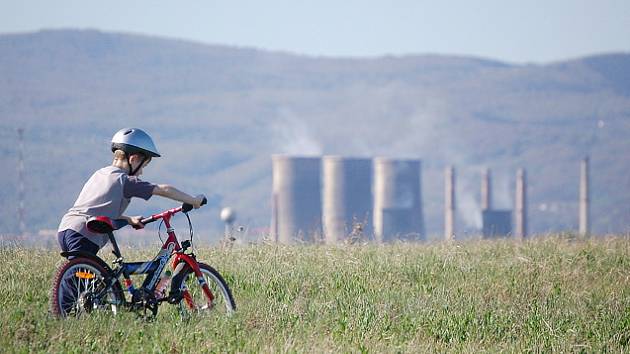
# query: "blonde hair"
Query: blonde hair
120,158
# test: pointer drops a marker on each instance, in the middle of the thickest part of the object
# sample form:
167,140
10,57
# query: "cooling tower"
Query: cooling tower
346,198
496,223
296,202
397,212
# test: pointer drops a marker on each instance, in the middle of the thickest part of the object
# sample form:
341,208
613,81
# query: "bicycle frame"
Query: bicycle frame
155,267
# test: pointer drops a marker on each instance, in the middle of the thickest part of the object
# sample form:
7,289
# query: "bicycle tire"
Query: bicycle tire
223,301
72,285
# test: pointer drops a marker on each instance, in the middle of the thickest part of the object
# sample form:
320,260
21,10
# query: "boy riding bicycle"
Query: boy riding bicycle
110,189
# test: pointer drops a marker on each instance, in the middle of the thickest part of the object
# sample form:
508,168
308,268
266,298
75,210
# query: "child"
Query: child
110,189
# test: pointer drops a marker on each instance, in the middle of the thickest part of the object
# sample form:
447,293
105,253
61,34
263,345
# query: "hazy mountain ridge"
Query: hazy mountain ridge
219,112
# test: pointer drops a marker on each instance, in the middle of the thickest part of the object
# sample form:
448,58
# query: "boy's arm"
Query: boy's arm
168,191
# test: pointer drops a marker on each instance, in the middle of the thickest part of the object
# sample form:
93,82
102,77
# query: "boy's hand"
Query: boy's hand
198,200
135,222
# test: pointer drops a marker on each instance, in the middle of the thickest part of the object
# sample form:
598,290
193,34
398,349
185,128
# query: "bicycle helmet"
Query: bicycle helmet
134,141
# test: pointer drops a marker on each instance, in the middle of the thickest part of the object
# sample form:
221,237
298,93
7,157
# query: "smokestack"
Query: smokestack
449,203
296,209
397,200
486,190
584,229
346,198
520,208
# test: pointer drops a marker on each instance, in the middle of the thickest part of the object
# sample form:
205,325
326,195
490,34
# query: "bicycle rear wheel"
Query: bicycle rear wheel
75,286
196,300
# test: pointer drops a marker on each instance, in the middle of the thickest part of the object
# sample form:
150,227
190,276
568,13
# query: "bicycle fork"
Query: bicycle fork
192,263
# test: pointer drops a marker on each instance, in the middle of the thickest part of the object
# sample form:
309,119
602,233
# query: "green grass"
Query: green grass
548,294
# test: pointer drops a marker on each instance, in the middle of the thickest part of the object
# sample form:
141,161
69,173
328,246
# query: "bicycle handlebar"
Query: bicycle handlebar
185,208
148,220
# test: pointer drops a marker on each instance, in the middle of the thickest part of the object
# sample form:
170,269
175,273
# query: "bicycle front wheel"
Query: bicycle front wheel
217,299
76,286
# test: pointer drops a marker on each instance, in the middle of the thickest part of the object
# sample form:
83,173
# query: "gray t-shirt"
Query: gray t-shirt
107,193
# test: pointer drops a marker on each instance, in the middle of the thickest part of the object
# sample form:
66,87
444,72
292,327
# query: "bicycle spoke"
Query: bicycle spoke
206,294
77,289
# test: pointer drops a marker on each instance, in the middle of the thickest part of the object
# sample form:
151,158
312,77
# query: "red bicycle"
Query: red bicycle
85,283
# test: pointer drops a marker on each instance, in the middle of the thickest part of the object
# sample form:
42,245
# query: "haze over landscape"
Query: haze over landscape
314,122
218,112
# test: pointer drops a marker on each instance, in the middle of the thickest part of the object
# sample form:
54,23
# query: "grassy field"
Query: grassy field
548,294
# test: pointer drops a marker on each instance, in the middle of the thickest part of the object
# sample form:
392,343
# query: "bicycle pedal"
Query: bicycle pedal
174,297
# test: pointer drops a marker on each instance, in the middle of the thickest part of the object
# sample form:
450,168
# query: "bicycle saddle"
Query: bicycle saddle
105,225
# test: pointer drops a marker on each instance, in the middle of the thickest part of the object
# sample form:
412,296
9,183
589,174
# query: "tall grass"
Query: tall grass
547,294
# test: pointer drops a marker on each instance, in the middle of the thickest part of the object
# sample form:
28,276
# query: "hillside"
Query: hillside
218,112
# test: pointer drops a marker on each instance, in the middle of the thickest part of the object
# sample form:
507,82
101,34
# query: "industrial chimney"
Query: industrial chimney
486,190
520,207
449,203
584,198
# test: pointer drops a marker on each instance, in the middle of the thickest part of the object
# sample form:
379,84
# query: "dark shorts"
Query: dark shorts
70,240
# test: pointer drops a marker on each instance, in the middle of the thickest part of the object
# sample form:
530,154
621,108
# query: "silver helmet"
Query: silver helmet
133,141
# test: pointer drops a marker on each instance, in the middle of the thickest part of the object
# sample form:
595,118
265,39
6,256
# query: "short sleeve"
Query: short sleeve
135,187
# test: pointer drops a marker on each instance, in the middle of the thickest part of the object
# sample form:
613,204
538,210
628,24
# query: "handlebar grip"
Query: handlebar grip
188,207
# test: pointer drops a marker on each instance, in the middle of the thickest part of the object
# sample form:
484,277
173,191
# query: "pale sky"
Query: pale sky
517,31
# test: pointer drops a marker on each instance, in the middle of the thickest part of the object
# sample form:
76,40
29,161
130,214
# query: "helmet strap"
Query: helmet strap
132,171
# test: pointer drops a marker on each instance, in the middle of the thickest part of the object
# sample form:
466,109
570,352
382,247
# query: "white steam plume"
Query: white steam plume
291,136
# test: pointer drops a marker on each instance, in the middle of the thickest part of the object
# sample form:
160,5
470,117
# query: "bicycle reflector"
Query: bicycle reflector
84,275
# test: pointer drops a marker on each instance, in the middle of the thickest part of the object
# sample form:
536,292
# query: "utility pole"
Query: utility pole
21,210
